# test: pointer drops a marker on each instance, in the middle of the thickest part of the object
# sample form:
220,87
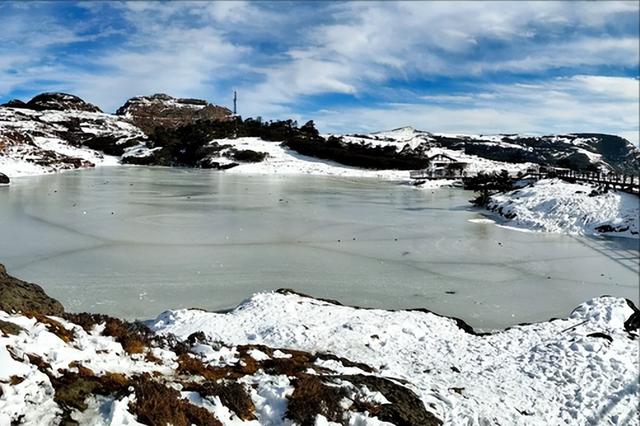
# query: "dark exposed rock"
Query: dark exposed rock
10,137
20,296
15,103
632,324
247,155
404,409
140,160
307,141
133,336
601,336
60,102
4,179
164,111
9,328
111,144
233,395
209,163
312,397
49,158
158,404
606,228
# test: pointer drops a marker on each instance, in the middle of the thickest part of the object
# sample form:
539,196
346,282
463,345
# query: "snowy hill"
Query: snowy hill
45,141
552,205
581,150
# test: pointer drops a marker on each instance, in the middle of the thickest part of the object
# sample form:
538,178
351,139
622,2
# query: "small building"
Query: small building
441,166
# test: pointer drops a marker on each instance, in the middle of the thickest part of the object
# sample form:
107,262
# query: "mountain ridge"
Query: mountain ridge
58,131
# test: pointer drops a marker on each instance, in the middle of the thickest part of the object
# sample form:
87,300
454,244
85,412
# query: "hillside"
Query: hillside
58,131
583,151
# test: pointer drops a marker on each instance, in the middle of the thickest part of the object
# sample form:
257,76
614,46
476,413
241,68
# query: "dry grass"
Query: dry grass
133,337
233,395
8,328
53,326
157,404
312,397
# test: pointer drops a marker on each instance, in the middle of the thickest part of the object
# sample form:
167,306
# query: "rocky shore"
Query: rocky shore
286,358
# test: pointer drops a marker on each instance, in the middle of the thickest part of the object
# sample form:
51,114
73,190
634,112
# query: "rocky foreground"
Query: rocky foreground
284,358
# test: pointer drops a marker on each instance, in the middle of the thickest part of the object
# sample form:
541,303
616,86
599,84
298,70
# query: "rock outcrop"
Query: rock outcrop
19,296
4,179
160,110
54,101
15,103
69,134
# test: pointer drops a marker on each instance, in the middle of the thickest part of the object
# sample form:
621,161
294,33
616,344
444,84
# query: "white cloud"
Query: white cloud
281,55
368,44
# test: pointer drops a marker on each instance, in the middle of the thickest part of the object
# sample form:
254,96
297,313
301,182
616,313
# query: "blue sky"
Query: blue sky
472,67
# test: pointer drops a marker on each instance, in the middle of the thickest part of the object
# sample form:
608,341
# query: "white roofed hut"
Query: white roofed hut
441,166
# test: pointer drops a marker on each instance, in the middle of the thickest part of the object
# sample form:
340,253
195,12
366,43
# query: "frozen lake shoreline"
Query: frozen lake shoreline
132,242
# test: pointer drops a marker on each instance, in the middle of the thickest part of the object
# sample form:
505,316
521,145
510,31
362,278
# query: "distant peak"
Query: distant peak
56,101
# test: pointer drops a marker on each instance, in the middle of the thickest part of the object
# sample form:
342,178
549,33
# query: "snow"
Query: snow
417,139
539,374
546,373
31,399
284,161
106,411
553,205
41,130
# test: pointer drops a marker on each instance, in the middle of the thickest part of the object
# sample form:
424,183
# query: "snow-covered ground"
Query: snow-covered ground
553,205
408,137
555,372
284,161
22,160
539,374
31,142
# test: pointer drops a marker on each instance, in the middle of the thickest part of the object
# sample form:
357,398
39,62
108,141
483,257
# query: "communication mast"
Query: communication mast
235,100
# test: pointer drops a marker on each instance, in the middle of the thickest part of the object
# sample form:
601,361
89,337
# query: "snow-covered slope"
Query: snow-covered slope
605,152
283,161
555,372
553,205
284,359
37,142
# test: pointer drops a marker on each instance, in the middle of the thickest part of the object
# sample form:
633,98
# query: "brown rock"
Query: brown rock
20,296
160,110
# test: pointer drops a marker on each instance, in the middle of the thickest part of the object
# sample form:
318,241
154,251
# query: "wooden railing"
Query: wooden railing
624,182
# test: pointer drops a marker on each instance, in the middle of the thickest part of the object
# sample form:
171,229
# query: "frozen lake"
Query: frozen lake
133,242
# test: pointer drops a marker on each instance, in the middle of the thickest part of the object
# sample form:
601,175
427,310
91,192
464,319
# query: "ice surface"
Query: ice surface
132,242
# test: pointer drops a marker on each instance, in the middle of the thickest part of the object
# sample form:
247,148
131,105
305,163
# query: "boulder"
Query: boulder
4,179
60,102
20,296
160,110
